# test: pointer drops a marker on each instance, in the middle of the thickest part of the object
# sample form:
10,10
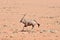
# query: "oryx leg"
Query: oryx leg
32,26
25,25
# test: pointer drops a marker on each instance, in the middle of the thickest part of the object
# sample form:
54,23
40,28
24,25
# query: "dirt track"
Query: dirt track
46,12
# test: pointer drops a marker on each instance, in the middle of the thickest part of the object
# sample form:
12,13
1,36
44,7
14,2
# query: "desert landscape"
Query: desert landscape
45,12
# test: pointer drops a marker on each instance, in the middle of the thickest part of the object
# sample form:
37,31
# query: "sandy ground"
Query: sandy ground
45,12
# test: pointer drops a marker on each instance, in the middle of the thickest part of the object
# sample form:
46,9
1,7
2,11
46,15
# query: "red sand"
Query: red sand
46,12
